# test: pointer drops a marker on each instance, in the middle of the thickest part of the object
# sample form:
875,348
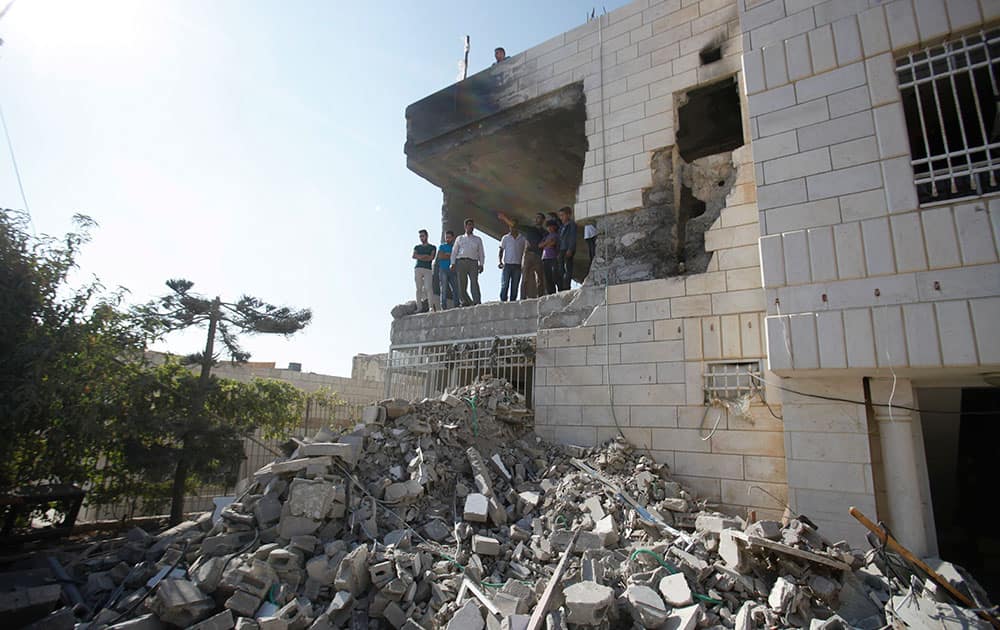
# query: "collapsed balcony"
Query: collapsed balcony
491,158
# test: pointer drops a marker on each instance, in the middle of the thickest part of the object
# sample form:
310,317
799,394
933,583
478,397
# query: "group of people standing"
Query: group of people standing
534,260
538,258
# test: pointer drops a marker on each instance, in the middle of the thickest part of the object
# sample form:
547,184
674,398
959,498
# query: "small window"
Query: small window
950,98
730,380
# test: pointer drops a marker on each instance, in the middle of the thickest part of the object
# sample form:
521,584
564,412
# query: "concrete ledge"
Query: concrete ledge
493,319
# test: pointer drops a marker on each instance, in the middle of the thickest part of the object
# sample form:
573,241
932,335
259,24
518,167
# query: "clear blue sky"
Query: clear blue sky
252,147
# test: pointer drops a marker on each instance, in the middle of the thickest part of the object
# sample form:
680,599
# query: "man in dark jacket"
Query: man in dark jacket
567,246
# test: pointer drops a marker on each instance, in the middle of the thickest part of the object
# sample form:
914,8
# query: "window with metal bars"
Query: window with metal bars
419,370
729,380
950,100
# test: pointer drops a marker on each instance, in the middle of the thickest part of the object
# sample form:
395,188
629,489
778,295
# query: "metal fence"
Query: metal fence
423,370
258,451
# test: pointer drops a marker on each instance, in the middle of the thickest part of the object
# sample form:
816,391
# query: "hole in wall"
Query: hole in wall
710,54
690,208
709,120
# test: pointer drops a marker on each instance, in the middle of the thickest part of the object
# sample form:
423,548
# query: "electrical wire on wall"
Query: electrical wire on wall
763,381
888,356
605,237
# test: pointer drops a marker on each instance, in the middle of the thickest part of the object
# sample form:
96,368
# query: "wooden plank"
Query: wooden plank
538,615
756,541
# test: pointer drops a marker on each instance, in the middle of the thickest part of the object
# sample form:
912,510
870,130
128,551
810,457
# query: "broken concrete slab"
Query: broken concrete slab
683,618
783,595
485,545
347,453
588,603
715,523
922,613
675,590
396,408
358,561
771,530
468,617
310,498
180,602
646,606
352,575
477,508
221,621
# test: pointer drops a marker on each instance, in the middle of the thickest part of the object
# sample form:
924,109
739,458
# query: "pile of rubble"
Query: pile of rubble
450,513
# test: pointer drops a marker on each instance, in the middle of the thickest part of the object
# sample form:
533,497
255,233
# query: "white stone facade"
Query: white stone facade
860,279
824,264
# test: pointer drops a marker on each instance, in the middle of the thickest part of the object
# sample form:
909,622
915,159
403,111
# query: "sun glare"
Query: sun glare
60,26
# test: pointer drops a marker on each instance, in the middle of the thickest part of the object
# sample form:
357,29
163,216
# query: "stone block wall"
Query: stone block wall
860,278
472,322
641,361
857,273
822,261
635,64
360,391
631,61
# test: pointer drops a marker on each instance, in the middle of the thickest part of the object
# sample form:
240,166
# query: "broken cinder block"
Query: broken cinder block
588,603
477,508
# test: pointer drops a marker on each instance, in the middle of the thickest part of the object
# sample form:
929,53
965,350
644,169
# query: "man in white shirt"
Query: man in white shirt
469,257
590,237
511,252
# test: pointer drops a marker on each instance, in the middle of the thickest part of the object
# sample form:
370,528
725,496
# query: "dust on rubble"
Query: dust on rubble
451,513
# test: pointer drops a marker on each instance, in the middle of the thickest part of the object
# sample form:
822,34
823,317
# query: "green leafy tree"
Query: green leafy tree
166,406
225,321
64,356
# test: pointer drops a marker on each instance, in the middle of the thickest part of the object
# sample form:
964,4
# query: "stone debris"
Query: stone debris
450,514
588,603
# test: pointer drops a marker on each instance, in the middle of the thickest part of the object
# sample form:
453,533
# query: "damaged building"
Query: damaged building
795,298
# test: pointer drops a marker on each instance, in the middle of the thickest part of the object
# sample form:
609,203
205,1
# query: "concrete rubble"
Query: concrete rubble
449,513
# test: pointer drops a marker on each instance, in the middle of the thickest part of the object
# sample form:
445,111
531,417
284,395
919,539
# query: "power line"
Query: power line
862,403
10,145
13,159
7,8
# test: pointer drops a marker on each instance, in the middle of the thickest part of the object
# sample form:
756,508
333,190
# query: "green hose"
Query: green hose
482,583
669,567
649,552
475,417
706,598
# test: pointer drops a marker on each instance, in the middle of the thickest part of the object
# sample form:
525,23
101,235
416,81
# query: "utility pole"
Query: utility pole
465,64
3,12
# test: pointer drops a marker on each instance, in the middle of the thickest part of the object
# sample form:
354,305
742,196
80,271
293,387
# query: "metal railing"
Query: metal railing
950,99
424,370
258,451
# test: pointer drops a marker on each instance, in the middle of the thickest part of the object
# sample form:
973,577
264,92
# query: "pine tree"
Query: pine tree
225,321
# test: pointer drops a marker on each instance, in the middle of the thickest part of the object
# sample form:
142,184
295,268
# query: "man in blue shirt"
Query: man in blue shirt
448,278
567,247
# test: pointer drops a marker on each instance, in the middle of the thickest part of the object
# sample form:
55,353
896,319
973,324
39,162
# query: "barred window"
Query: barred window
729,380
950,99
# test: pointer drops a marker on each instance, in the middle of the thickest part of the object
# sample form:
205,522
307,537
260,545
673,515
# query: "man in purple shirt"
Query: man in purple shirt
567,247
